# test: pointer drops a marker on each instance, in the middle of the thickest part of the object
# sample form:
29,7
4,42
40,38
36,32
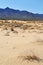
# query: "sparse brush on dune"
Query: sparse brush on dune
12,29
39,41
15,31
4,28
34,57
31,58
24,27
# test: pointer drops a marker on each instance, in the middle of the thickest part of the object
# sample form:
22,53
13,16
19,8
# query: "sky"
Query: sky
34,6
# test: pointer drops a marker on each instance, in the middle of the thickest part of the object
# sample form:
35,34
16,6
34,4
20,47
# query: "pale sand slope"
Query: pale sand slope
14,46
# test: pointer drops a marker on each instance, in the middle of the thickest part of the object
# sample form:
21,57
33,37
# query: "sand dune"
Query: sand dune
21,42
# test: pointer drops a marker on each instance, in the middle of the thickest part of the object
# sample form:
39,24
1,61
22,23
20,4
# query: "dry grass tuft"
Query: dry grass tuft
15,31
3,28
31,58
12,29
24,27
40,41
34,57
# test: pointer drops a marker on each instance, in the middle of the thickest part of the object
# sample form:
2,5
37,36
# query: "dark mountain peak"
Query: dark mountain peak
7,8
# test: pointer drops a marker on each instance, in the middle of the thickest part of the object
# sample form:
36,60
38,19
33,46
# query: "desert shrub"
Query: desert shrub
25,27
30,25
12,29
34,57
39,41
6,21
5,28
15,31
18,24
31,58
32,28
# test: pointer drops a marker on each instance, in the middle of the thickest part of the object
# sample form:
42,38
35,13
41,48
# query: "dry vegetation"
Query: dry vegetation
17,36
30,58
30,25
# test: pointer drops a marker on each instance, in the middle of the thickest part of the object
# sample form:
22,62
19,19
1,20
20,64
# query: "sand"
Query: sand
15,46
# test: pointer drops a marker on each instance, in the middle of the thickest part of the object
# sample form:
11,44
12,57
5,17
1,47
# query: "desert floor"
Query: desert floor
22,48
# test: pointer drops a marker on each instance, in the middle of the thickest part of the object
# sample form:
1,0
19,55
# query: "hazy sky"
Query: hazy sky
35,6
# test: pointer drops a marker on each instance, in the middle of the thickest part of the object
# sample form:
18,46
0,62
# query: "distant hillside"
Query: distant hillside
9,14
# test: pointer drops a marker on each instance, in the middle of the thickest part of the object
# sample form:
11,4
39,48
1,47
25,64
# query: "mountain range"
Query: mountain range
12,14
